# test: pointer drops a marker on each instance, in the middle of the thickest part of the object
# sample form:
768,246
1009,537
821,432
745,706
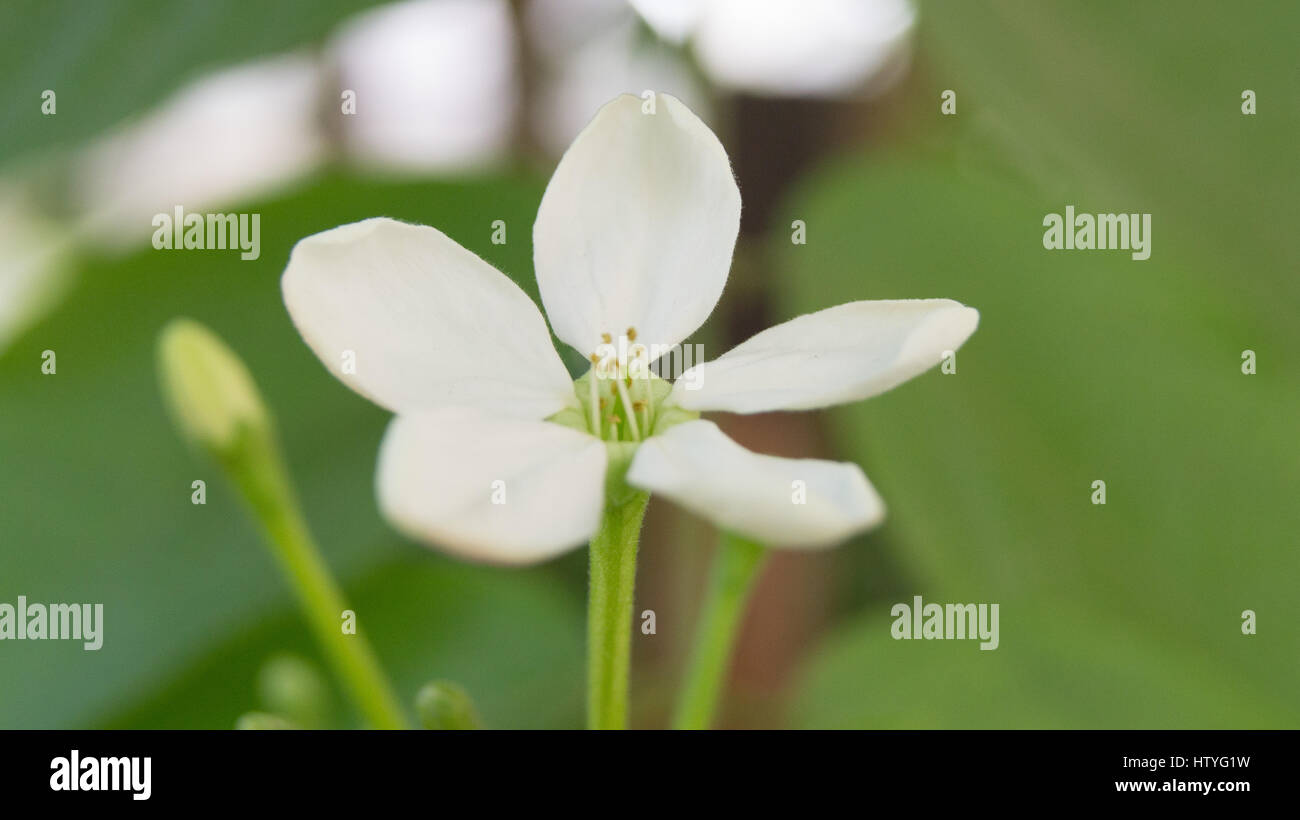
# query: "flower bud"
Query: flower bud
445,705
291,686
209,391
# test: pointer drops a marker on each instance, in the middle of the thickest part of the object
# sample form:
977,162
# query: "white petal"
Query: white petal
427,322
697,466
637,226
438,482
841,354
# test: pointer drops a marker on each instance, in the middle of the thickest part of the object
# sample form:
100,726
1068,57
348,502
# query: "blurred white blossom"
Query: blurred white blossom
592,51
435,84
613,62
32,266
817,48
557,27
228,137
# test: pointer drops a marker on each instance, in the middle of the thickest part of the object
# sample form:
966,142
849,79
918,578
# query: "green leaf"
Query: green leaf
1086,366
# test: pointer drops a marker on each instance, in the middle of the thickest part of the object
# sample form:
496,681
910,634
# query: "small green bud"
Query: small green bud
261,721
292,686
445,705
209,391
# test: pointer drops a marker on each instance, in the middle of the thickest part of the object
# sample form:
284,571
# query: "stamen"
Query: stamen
631,334
606,338
627,409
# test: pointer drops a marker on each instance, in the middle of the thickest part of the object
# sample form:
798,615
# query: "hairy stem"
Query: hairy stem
609,609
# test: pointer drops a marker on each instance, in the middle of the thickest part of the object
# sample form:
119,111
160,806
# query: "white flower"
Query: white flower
496,455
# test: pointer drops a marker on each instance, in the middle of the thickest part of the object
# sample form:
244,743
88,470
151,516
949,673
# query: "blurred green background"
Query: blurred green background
1085,366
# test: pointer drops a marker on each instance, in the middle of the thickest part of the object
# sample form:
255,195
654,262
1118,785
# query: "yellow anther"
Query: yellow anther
631,334
640,364
606,338
595,358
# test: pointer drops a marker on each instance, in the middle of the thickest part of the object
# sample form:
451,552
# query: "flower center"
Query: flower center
621,399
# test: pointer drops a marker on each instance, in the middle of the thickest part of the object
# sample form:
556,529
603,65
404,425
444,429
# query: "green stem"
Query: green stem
735,569
260,474
609,609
